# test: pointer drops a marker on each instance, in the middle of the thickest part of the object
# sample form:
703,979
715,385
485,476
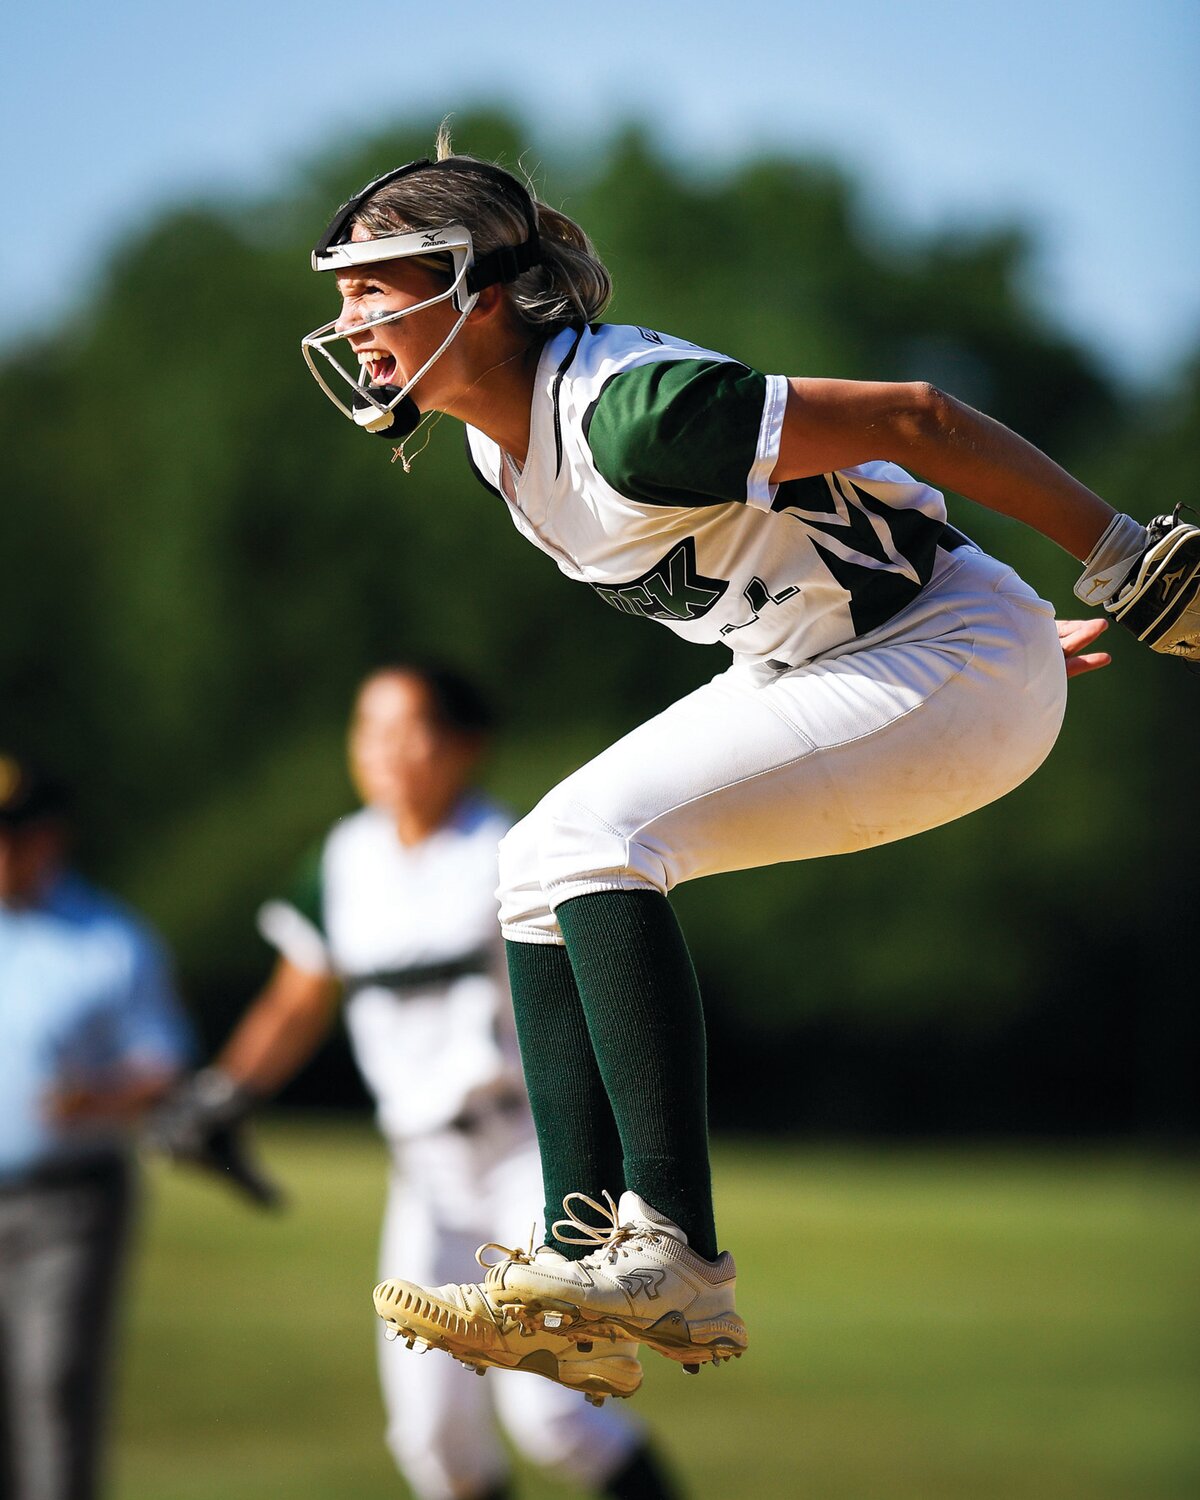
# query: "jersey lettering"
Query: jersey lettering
652,452
757,595
673,589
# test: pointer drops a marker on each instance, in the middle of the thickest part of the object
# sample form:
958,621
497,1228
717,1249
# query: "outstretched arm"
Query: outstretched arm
837,424
121,1097
1146,577
200,1121
280,1030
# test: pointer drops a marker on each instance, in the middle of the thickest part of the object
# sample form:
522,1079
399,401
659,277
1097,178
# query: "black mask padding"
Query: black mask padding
505,263
405,414
337,231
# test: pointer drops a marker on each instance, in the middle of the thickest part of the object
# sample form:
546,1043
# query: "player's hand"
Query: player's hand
1075,636
120,1097
201,1121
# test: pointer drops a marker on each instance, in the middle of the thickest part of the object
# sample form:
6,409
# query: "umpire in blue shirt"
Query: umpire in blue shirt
91,1035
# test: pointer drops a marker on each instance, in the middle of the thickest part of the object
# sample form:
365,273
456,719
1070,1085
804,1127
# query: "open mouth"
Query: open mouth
380,367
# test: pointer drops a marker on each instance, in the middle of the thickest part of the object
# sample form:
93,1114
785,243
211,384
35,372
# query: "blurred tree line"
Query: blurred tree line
201,558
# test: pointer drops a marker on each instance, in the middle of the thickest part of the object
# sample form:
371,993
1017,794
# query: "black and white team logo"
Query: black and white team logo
673,589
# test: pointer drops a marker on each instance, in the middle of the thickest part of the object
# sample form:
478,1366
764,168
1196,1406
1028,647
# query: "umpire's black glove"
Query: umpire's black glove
201,1121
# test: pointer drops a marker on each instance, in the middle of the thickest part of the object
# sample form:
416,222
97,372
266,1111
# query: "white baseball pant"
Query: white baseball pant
951,704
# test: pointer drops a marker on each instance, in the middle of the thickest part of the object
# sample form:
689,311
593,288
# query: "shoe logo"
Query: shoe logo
648,1282
1168,582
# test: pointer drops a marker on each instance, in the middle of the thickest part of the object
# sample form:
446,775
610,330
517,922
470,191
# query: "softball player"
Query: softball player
888,676
398,915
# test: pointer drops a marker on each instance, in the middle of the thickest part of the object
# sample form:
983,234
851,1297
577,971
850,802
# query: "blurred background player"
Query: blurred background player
91,1035
398,914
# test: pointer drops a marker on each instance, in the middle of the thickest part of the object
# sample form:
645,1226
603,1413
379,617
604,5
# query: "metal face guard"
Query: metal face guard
371,407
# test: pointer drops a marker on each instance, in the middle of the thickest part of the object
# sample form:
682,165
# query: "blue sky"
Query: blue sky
1081,120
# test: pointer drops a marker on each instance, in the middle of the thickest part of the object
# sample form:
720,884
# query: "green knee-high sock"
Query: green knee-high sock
577,1136
646,1022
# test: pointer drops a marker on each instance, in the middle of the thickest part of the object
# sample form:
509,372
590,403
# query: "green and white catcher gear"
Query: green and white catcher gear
384,409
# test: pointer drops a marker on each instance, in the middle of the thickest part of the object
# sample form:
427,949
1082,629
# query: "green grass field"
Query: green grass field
925,1324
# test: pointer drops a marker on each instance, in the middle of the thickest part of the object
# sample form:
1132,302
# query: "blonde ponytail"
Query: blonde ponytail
569,285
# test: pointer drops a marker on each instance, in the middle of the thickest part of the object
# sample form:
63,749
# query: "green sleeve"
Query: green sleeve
306,892
679,432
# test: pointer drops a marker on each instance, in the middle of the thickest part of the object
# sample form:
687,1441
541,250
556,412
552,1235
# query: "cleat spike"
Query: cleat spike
471,1325
692,1369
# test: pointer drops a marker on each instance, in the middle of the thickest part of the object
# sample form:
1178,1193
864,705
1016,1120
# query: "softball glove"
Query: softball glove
1160,600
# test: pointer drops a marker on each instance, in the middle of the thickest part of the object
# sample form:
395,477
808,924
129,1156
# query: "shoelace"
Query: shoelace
608,1239
507,1256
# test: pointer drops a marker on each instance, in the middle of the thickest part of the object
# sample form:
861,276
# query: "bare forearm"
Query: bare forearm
280,1031
120,1098
838,424
963,450
268,1049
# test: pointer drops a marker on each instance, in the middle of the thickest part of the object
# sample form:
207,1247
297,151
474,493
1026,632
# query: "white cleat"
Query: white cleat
642,1282
463,1321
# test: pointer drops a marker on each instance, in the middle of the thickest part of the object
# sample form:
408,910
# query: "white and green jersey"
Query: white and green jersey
648,477
411,933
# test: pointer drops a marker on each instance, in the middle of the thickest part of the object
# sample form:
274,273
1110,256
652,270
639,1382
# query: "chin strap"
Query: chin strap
400,422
